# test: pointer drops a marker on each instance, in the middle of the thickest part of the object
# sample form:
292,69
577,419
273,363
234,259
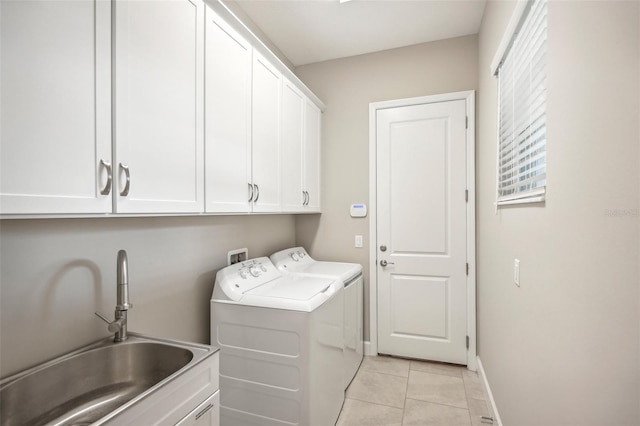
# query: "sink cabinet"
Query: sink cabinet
188,396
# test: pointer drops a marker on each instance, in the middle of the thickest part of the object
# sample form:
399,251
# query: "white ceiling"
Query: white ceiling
308,31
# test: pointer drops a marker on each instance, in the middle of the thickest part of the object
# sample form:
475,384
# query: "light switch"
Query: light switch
359,241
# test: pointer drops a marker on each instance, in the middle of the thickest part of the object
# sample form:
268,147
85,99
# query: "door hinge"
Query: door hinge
467,268
467,342
466,195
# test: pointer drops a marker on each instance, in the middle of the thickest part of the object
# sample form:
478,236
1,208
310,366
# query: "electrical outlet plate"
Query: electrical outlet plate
238,255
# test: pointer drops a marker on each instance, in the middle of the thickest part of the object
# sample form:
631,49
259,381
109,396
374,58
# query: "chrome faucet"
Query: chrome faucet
119,325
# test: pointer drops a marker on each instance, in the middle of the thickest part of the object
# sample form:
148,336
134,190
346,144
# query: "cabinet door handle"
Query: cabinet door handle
127,175
306,203
107,188
250,192
257,193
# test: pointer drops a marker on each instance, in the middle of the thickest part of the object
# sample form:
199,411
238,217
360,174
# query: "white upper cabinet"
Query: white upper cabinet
55,120
300,151
138,107
265,159
159,101
312,137
292,122
228,117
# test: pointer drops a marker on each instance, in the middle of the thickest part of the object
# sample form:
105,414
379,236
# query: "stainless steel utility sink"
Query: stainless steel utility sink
95,383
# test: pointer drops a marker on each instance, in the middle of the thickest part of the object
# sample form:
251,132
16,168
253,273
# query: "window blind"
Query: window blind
522,85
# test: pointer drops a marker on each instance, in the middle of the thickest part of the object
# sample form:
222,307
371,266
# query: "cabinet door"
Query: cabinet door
266,135
292,139
55,120
312,131
228,117
159,101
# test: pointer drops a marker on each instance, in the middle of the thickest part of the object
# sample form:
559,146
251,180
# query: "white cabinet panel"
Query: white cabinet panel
312,138
300,139
228,117
55,121
265,162
159,106
292,132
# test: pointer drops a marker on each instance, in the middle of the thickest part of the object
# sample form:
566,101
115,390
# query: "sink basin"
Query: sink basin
94,383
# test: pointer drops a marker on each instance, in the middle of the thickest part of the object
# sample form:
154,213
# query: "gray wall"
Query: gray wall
54,274
347,86
563,348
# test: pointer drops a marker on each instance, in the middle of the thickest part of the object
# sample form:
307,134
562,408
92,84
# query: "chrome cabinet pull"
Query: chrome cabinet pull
257,193
304,198
107,188
127,185
250,192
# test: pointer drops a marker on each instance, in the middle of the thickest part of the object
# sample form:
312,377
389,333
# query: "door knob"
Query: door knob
384,263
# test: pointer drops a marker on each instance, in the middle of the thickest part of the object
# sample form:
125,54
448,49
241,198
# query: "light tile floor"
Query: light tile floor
395,391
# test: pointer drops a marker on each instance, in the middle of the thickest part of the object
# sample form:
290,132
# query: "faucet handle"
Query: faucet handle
102,317
113,326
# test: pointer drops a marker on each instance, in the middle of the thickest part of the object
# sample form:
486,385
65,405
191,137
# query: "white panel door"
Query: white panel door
55,121
159,101
421,166
312,122
267,82
292,140
228,117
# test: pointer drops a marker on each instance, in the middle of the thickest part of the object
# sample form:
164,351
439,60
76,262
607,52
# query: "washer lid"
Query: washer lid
291,292
343,271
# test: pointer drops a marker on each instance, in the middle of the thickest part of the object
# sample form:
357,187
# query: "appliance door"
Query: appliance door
353,327
326,361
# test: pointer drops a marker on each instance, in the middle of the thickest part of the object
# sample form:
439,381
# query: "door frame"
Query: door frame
469,97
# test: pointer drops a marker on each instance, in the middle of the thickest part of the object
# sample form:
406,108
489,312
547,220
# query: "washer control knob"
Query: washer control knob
294,257
262,268
243,275
255,271
301,254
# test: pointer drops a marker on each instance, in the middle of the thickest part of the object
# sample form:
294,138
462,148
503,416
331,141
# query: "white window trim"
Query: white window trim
539,194
505,43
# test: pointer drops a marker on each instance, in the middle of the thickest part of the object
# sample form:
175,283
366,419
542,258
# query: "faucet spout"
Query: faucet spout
122,302
119,325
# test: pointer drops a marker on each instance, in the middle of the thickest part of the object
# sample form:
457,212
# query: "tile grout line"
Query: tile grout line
406,391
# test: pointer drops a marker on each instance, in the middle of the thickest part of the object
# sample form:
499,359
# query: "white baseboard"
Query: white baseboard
367,349
493,410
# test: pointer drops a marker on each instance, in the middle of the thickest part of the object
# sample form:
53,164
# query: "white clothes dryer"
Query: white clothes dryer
297,260
280,339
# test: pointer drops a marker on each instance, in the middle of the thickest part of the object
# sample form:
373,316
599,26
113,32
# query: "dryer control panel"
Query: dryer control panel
235,280
293,259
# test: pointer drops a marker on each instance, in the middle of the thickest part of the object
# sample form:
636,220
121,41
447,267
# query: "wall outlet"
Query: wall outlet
358,242
238,255
516,272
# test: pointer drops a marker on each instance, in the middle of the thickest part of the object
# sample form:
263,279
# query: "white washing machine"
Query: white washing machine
297,260
280,339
